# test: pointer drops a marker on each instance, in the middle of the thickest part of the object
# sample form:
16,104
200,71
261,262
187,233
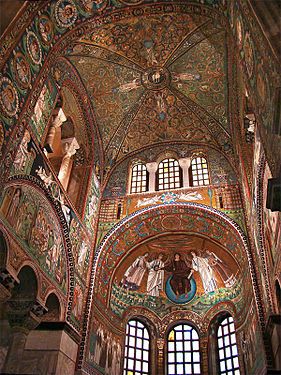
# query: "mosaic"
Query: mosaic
182,270
35,225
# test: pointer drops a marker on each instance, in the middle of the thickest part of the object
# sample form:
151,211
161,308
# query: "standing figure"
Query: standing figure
155,280
134,274
225,272
206,272
181,273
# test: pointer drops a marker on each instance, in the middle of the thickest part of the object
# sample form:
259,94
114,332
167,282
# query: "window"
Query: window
227,348
199,172
183,351
139,182
169,174
136,358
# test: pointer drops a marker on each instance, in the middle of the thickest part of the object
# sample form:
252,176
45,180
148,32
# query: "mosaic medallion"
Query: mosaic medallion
93,5
182,298
34,48
21,70
65,13
46,29
9,99
156,78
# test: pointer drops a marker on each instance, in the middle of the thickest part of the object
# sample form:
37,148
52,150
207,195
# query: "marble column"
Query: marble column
69,148
152,168
185,164
59,119
22,320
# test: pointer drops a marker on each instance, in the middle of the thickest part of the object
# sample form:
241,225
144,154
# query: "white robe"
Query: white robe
136,271
155,280
206,273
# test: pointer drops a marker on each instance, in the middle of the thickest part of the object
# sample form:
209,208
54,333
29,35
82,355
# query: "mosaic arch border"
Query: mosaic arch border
136,219
114,242
63,37
39,186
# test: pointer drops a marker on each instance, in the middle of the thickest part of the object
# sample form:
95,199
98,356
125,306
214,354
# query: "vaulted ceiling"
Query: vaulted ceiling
154,79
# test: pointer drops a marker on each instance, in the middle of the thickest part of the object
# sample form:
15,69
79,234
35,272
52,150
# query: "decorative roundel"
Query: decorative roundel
46,29
65,13
34,48
249,54
182,298
93,5
9,99
21,70
155,78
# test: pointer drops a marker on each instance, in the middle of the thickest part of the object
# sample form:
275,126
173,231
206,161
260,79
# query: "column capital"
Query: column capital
59,119
185,162
69,146
152,167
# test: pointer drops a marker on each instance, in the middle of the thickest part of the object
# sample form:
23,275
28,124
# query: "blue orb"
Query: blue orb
182,299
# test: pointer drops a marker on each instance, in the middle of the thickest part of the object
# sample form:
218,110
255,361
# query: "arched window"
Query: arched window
183,351
139,181
169,175
227,347
136,358
199,172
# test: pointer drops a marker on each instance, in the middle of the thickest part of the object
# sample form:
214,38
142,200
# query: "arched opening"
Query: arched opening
183,350
278,296
54,308
137,347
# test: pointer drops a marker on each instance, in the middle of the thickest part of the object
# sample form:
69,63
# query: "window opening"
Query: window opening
119,210
169,174
183,351
136,358
199,172
139,181
227,348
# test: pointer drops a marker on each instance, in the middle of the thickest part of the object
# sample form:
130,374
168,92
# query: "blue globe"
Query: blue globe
182,299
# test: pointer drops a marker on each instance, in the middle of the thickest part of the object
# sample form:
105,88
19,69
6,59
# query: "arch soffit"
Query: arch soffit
148,222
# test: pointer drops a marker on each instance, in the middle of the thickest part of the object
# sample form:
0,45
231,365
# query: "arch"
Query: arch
137,347
28,183
152,221
183,349
53,304
28,284
169,174
278,296
199,171
138,178
4,249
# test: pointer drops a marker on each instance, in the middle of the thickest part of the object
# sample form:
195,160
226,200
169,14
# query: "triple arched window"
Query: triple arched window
182,349
168,174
